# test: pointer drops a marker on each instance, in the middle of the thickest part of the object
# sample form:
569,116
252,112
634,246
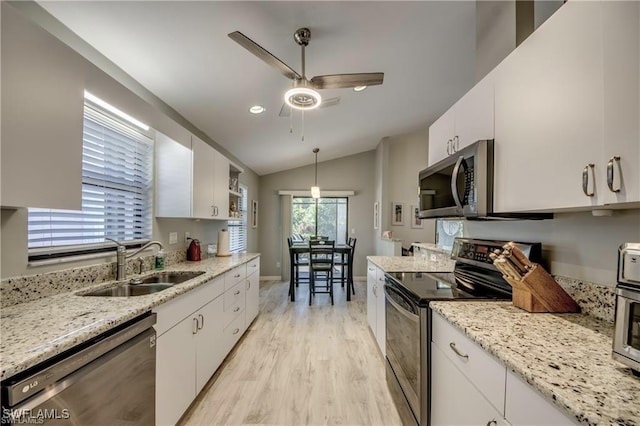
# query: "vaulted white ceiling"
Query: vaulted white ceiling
180,51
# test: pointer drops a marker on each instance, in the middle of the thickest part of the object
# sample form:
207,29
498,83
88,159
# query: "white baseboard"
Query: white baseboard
271,278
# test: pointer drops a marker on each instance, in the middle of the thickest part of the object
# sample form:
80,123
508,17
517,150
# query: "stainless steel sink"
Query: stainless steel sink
141,287
166,277
126,290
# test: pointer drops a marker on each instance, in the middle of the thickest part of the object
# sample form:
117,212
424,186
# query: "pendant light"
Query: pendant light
315,189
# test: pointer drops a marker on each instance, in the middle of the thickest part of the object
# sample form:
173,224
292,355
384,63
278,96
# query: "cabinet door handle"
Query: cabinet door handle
455,146
212,211
195,328
248,287
236,331
492,423
460,354
237,292
449,152
236,309
610,173
236,276
201,321
585,180
375,293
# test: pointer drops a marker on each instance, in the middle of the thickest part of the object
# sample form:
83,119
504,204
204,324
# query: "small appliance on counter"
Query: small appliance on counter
223,243
194,252
626,337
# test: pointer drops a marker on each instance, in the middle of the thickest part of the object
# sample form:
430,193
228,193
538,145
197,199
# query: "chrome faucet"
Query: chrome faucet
122,256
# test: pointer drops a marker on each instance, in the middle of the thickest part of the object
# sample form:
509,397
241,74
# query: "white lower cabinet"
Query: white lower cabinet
526,406
463,371
375,304
450,388
195,333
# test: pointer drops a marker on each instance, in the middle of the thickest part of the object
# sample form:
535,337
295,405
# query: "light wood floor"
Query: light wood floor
300,365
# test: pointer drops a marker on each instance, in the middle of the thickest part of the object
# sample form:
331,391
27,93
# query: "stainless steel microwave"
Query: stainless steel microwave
461,185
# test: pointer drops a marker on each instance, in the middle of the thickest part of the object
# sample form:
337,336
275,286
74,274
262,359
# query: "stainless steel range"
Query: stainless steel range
626,338
408,317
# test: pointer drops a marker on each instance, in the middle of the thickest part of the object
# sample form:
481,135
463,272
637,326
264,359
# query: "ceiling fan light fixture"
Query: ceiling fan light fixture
359,88
257,109
303,98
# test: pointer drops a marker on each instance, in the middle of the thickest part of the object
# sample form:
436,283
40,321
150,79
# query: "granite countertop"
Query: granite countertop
412,263
567,357
35,331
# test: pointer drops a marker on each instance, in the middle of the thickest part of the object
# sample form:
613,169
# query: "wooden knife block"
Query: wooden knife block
539,292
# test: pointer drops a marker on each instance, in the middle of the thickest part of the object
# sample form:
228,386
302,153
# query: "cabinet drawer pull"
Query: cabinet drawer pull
194,330
201,322
492,423
236,331
460,354
237,292
236,276
585,179
610,173
237,308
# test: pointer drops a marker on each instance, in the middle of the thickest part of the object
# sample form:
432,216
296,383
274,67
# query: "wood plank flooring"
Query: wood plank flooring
300,365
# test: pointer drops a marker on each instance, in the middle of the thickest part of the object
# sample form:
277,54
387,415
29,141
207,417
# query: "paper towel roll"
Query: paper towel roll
223,243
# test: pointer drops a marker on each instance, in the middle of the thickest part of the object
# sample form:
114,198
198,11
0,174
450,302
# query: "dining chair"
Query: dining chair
299,261
321,254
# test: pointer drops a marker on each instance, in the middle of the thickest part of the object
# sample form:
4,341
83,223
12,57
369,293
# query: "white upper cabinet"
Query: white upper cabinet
469,120
192,179
566,110
621,150
42,115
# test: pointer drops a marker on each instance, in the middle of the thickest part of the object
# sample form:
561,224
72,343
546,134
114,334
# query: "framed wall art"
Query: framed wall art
397,213
254,213
416,223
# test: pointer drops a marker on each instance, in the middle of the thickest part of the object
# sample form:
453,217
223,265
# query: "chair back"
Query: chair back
351,242
318,238
289,242
321,254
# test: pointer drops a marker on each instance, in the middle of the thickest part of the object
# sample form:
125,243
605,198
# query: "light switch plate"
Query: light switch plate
173,237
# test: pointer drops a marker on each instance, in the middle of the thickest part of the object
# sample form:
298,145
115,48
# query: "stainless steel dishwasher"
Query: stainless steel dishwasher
109,380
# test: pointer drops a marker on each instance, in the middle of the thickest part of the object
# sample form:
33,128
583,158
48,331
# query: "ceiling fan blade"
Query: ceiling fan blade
285,111
339,81
263,54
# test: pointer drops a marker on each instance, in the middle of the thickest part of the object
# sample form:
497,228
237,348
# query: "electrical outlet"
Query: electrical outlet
187,235
173,237
278,265
433,257
353,231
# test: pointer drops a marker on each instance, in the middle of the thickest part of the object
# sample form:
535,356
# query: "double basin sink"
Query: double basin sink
144,286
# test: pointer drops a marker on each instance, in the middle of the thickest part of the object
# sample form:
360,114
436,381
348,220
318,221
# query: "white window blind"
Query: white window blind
238,228
117,179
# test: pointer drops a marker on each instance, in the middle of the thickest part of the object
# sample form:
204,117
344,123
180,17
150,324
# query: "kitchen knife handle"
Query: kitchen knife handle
614,159
454,183
585,179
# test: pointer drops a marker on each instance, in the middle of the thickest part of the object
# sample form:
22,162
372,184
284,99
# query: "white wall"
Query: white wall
576,245
408,155
114,86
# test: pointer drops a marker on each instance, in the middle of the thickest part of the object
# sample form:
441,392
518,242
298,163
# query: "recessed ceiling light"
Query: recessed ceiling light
359,88
257,109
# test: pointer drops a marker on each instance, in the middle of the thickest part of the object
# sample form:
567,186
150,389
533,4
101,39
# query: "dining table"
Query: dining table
300,248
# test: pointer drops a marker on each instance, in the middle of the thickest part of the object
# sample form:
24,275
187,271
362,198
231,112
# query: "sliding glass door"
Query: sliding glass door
329,219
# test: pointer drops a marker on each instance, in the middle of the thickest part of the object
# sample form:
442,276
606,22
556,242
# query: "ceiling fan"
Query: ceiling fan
303,95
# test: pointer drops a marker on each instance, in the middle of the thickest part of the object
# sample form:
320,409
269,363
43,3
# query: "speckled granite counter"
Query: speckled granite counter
412,263
35,331
567,357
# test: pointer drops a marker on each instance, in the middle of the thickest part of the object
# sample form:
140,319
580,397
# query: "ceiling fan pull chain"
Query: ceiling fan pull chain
290,120
302,125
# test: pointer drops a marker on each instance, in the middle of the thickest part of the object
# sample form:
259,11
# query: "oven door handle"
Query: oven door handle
454,182
411,315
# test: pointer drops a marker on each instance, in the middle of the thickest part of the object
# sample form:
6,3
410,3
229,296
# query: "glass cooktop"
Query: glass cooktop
423,287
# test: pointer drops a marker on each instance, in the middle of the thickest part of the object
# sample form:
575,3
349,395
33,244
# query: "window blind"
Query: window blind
238,228
117,179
